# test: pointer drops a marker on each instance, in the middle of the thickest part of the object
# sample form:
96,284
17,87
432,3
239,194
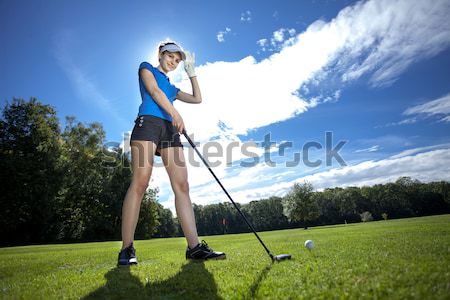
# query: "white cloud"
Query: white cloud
446,119
385,37
379,39
221,34
440,106
402,122
386,140
356,42
263,43
246,16
276,15
278,36
413,151
281,38
370,149
426,167
437,107
323,98
262,181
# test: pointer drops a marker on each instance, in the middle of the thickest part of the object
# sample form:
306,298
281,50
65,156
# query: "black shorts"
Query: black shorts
156,130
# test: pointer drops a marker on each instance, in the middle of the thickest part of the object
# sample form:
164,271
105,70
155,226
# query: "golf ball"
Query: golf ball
309,244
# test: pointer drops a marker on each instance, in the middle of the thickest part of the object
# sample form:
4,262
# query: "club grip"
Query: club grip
188,138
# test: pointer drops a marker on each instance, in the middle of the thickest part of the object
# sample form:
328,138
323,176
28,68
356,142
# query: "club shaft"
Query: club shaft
226,192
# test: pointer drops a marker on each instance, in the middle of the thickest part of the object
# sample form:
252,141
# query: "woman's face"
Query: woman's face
169,61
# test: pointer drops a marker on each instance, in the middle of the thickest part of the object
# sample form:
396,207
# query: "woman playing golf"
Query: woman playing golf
156,132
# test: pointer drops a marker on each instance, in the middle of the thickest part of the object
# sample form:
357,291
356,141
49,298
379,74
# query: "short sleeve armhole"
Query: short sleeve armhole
145,65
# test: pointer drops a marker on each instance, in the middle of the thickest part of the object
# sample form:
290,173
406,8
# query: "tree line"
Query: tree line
65,185
60,184
304,207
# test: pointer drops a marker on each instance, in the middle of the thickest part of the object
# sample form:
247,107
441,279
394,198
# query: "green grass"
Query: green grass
397,259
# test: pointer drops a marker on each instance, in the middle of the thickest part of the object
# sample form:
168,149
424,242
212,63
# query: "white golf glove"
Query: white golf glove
189,64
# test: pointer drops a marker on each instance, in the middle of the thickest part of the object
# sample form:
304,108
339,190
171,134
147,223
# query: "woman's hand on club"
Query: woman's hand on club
177,121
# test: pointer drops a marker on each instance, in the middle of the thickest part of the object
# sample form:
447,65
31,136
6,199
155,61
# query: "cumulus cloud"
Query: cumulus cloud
280,38
426,167
221,34
246,16
263,43
376,39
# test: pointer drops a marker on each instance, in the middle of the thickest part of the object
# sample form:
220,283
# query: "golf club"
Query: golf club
279,257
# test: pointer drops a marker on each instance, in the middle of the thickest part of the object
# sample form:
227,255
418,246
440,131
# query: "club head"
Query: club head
281,257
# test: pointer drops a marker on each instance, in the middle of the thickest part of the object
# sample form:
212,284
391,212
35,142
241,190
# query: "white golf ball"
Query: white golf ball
309,244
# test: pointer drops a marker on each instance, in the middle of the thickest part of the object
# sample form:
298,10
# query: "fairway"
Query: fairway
394,259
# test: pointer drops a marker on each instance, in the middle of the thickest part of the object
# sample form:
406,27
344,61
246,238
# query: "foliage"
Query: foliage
300,204
66,185
267,214
56,185
148,217
30,175
366,216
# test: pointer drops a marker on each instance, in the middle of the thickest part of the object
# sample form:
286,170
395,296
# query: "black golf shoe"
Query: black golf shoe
127,256
203,252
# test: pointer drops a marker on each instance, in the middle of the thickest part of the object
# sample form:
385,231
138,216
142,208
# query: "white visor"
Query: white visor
173,48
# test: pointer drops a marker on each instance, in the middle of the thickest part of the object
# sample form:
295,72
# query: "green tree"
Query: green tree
148,217
167,226
328,206
81,208
30,171
348,199
366,216
107,222
267,214
212,216
300,205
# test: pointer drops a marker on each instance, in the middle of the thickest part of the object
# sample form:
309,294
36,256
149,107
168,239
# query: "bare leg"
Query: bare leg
142,154
175,164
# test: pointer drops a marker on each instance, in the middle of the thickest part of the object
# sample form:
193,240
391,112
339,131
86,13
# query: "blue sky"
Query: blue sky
374,73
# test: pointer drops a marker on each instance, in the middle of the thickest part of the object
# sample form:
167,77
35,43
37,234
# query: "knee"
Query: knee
139,186
182,187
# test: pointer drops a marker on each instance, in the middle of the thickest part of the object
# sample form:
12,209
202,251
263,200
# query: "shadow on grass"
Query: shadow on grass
255,285
192,282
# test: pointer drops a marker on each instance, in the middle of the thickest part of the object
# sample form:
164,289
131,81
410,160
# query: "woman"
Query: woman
156,132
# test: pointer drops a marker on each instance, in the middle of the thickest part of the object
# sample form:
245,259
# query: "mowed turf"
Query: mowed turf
396,259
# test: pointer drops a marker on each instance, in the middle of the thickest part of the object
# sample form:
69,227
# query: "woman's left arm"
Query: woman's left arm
196,96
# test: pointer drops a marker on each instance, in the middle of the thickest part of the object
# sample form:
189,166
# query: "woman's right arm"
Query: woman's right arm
161,99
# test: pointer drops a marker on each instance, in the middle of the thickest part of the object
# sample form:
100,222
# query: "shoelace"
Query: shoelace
205,245
130,250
